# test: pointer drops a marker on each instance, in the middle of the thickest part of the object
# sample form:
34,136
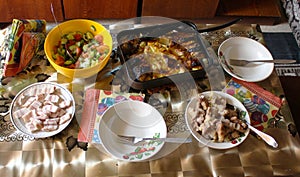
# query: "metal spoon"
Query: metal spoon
267,138
60,31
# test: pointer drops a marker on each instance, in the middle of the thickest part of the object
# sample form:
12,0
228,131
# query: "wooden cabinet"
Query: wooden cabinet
99,9
250,8
266,12
191,9
209,10
29,9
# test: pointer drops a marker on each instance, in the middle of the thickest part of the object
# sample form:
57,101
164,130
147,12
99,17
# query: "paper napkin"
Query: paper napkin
95,103
261,104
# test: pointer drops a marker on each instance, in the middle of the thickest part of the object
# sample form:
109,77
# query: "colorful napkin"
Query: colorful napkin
25,38
261,104
95,103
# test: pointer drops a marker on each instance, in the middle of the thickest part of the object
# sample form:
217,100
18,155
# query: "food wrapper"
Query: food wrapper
22,36
95,103
261,104
31,43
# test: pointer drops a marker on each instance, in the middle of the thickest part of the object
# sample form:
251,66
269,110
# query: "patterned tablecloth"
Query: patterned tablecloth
62,155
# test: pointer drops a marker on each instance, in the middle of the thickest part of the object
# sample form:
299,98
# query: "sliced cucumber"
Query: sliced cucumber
93,28
64,41
68,62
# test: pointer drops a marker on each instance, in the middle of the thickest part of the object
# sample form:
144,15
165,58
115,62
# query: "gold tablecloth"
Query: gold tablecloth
22,155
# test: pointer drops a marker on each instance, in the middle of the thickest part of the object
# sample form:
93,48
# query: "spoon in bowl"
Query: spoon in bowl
60,31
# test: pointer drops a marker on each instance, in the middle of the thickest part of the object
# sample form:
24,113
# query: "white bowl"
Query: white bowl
249,49
62,92
131,118
216,145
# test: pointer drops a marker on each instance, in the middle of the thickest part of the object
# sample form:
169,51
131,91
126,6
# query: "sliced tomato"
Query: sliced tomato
71,42
71,66
77,37
59,60
78,51
55,49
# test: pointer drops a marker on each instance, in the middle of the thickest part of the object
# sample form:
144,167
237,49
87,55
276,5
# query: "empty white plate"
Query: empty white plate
132,118
249,49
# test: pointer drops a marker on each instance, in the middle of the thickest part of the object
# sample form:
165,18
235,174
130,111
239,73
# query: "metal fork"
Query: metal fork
134,140
238,62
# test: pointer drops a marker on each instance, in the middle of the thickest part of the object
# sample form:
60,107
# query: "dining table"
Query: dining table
67,154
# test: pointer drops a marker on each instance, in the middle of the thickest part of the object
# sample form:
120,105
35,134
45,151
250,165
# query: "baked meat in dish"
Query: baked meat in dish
161,54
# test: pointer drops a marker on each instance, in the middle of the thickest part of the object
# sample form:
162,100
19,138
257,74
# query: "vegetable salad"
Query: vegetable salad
86,49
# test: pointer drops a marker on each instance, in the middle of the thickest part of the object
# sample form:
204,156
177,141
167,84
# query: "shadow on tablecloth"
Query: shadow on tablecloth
291,89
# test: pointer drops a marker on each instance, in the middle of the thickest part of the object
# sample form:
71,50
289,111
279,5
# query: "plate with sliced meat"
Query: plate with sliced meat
42,109
217,120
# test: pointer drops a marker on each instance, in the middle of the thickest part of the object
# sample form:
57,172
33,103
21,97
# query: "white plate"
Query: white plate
245,48
20,124
217,145
134,118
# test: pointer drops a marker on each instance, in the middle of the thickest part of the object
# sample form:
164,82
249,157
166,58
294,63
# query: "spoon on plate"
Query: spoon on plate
240,62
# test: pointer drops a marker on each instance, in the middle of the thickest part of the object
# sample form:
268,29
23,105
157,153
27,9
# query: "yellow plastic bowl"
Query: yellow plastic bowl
81,25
